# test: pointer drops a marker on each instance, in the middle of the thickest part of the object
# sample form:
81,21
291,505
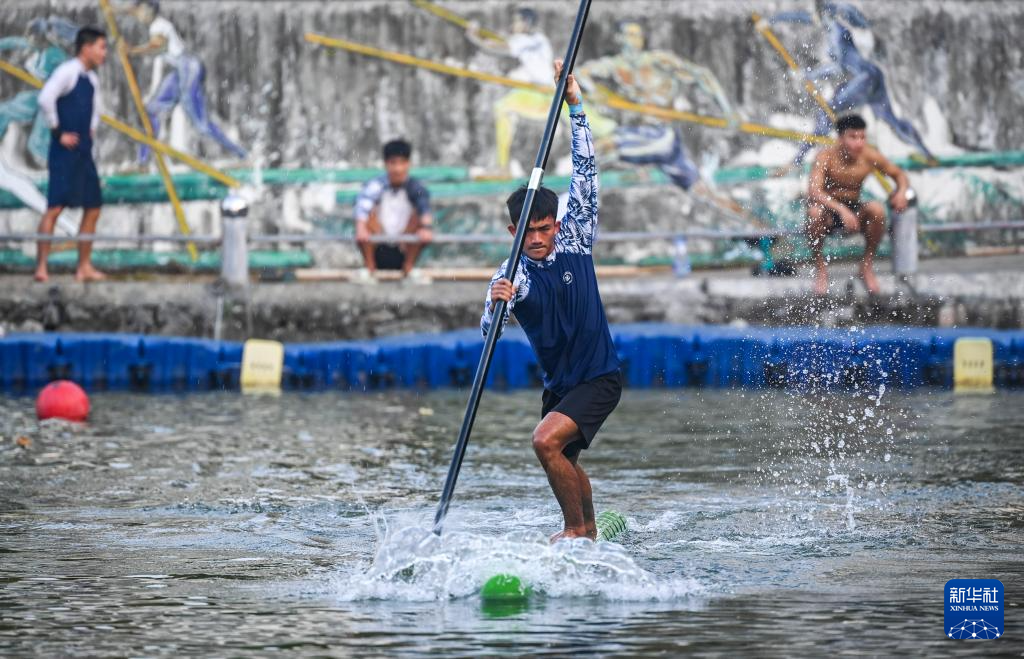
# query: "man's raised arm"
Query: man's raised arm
579,227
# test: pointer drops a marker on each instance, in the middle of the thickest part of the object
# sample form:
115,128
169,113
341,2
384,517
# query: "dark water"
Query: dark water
762,523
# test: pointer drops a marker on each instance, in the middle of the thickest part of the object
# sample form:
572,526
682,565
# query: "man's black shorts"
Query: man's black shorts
837,221
588,405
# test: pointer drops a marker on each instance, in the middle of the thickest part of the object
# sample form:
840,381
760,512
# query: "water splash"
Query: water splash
843,481
413,564
836,452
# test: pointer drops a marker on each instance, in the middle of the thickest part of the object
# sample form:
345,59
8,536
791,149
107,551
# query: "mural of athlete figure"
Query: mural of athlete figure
531,48
45,46
178,77
861,81
655,77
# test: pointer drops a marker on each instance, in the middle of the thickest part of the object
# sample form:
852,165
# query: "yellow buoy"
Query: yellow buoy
262,365
972,364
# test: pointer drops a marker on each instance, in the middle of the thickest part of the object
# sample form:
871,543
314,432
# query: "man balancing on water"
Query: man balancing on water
557,303
834,203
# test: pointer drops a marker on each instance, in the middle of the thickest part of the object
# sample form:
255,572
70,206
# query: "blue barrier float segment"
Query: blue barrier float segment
653,355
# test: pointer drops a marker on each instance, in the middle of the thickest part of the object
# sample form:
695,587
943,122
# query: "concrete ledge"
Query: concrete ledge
966,292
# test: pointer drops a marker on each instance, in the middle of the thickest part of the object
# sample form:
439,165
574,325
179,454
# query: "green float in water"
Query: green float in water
504,588
510,588
610,525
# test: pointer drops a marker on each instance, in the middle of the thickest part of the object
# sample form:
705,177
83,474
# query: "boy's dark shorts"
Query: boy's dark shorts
388,256
588,404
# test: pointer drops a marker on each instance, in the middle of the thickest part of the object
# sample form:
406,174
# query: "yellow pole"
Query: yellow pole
612,100
21,74
455,19
809,85
135,134
171,152
161,164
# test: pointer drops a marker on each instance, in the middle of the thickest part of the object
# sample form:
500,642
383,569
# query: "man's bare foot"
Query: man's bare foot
570,533
821,282
42,276
89,274
867,273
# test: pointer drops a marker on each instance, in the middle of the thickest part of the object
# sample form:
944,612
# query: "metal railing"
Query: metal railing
454,238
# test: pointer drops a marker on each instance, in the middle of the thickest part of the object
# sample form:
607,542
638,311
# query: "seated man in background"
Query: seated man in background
834,203
393,204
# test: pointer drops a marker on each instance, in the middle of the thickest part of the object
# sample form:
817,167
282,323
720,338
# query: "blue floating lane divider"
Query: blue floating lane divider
653,355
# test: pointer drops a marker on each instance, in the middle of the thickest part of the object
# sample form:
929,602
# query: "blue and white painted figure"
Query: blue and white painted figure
860,81
46,44
179,77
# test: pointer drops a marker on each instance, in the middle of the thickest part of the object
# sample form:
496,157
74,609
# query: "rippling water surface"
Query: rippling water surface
765,523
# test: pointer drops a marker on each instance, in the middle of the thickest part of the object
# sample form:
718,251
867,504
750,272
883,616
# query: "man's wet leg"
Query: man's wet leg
552,435
586,498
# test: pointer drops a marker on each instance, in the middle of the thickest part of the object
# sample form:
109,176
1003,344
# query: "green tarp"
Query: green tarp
132,259
444,182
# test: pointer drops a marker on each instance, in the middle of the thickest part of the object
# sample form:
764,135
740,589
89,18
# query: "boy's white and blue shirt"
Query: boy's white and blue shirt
557,301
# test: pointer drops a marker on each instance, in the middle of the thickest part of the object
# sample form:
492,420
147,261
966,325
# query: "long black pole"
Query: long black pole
498,309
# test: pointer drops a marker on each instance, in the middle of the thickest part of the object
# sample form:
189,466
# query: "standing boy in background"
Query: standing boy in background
70,101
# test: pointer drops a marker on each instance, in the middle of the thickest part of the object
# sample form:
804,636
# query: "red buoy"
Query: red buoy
62,399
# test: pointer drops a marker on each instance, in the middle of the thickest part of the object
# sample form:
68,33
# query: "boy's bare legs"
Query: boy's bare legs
411,251
46,225
368,248
86,271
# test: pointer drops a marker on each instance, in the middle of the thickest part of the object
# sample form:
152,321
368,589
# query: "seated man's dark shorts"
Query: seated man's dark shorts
588,405
389,257
837,221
